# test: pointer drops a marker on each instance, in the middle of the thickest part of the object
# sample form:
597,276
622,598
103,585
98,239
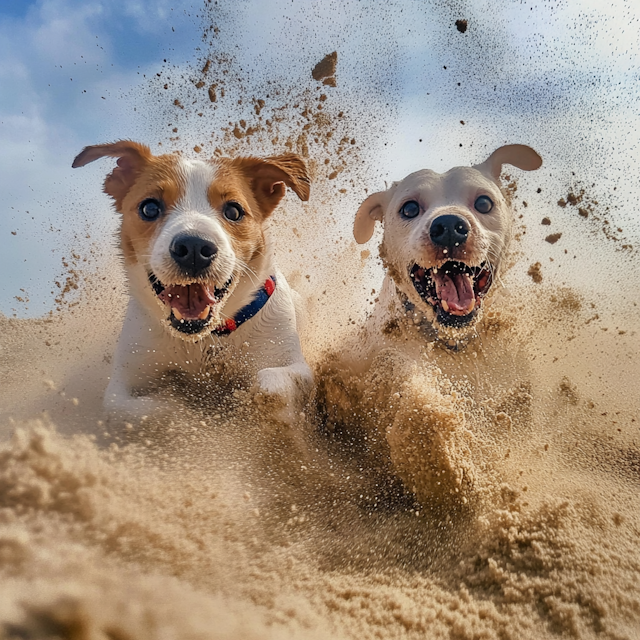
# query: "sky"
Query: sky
66,69
561,76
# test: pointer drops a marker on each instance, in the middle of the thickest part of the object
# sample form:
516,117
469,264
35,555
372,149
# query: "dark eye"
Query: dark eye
150,209
410,209
483,204
233,211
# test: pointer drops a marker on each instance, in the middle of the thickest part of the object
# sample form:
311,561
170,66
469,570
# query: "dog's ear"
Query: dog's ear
268,177
518,155
369,212
132,157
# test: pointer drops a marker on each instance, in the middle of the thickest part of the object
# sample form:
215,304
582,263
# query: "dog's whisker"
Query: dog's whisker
245,265
246,269
495,276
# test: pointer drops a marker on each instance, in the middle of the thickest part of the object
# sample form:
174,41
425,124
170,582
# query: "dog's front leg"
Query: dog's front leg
283,391
140,361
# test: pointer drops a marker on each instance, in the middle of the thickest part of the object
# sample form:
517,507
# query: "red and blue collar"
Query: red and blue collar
250,310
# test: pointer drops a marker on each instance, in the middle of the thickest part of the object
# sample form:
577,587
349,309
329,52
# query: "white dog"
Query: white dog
445,238
444,243
201,273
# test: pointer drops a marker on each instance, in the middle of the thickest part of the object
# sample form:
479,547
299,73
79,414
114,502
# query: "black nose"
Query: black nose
449,231
192,253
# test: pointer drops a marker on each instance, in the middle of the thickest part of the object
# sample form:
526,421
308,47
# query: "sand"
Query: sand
505,508
215,525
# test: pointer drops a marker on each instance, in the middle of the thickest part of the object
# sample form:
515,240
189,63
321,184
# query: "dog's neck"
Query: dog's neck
251,280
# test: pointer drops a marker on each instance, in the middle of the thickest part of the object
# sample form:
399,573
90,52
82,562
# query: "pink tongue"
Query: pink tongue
190,300
456,289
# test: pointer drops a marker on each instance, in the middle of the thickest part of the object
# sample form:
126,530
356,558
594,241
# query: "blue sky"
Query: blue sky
561,76
66,68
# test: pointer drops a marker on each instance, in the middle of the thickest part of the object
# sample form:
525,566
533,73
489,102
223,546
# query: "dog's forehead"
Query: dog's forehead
449,185
197,175
205,184
176,179
422,180
462,179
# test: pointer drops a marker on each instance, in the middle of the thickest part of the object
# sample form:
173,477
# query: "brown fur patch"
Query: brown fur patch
158,179
268,177
230,185
132,160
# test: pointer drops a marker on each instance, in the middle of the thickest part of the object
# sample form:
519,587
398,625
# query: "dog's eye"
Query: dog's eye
150,209
410,209
483,204
233,211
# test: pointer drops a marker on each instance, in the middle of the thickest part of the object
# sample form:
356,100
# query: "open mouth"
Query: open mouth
192,305
454,290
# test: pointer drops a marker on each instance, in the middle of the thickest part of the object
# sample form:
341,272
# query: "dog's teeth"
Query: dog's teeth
205,313
177,314
445,305
472,305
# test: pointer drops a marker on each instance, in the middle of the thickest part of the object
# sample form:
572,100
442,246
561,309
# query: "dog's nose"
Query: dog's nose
192,253
449,231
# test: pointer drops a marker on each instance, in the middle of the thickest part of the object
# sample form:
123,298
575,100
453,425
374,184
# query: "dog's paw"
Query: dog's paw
281,393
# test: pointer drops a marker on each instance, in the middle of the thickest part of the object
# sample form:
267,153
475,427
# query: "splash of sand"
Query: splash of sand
217,525
488,494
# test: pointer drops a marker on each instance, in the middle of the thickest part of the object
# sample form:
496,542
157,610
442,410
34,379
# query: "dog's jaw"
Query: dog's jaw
413,300
414,285
201,315
453,290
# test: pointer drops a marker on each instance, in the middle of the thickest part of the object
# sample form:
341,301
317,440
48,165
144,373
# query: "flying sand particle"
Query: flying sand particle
461,25
553,238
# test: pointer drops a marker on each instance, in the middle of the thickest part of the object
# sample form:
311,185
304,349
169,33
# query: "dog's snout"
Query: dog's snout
449,231
192,253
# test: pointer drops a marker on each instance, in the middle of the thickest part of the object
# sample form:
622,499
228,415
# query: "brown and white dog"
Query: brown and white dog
201,273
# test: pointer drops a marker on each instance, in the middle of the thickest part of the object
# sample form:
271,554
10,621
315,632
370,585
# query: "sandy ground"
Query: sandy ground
215,525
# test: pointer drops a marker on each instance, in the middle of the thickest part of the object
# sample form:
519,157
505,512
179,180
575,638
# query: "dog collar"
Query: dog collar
248,311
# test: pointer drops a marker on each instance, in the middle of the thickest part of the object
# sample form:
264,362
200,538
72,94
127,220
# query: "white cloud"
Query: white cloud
61,87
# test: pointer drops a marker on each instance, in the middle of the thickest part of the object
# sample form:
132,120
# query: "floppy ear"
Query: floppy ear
370,211
518,155
268,177
132,156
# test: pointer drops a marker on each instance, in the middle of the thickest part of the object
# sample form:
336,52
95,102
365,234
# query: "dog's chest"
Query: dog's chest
485,364
216,356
